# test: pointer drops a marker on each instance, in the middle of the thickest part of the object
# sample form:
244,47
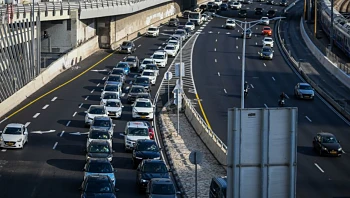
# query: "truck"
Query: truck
195,17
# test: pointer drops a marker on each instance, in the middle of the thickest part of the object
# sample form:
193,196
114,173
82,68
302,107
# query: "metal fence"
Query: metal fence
19,56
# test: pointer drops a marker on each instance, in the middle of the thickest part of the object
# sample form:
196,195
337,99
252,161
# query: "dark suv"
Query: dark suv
271,13
242,13
145,149
143,81
134,91
149,169
259,11
173,22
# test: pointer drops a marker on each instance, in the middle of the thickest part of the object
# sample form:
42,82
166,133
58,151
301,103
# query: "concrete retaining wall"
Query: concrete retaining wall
56,68
128,28
331,67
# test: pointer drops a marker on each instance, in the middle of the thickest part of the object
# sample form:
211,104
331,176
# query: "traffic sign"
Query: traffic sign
168,76
196,157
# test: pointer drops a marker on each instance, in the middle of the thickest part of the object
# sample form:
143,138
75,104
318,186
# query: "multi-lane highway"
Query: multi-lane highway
51,164
217,60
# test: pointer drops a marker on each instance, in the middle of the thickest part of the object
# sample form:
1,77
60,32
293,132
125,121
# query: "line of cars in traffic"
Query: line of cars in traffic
139,138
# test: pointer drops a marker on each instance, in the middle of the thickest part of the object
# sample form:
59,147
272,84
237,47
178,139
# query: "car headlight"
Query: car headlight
157,158
271,55
324,148
339,149
110,157
1,139
143,181
138,157
20,140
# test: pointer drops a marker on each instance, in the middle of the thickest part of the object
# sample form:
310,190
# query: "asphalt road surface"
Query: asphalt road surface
217,77
51,164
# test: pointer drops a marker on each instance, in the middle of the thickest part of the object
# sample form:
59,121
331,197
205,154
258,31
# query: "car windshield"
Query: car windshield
137,90
104,135
154,168
306,87
114,78
230,22
194,15
179,32
142,81
117,71
143,104
99,168
189,23
169,48
266,50
147,62
236,3
112,104
97,110
148,74
110,96
172,42
151,67
126,44
121,65
138,131
329,139
158,56
163,189
268,39
130,60
152,29
111,88
147,146
102,123
267,29
99,148
13,131
98,186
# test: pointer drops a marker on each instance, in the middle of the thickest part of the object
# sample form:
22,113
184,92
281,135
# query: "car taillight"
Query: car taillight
151,134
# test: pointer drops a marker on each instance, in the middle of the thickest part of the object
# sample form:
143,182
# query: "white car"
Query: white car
135,131
230,23
176,43
218,2
161,58
171,50
94,110
116,88
98,134
151,75
236,5
145,62
153,68
153,31
114,108
190,25
108,95
14,135
265,20
204,17
142,109
267,41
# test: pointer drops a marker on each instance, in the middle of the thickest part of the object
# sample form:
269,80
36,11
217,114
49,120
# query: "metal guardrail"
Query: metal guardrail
66,5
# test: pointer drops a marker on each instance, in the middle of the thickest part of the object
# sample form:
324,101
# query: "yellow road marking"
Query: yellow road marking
60,86
205,117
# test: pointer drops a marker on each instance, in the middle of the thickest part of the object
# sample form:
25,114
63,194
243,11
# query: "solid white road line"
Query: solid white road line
103,78
81,105
86,97
252,86
27,124
92,91
3,120
62,133
68,123
54,146
319,168
53,99
45,107
308,119
98,85
36,115
75,113
266,106
264,64
218,73
273,78
225,91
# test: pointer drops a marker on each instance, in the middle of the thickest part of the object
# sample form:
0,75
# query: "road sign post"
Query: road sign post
195,158
168,76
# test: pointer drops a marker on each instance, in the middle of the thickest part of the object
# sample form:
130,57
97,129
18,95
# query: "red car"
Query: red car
267,31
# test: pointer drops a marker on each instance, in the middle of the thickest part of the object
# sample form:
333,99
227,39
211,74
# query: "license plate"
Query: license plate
306,96
111,114
333,152
10,144
143,116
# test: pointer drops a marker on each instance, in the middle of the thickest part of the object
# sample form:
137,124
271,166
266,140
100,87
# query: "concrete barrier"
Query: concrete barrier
329,65
62,64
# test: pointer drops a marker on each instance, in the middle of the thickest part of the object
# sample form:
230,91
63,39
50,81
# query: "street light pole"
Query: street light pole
332,21
243,65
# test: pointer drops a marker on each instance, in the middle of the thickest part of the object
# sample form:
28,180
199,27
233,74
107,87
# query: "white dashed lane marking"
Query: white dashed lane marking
62,133
75,113
98,84
86,97
54,146
319,168
80,105
103,78
239,58
218,73
45,107
225,91
216,60
36,115
68,123
266,106
215,49
252,86
308,119
53,99
27,124
264,64
273,78
92,91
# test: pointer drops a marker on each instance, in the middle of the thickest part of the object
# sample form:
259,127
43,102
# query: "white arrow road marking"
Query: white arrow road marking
36,115
54,146
42,132
27,124
80,105
53,99
78,133
319,168
45,107
308,119
62,133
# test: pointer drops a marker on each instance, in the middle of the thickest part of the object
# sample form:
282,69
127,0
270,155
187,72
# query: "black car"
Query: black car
162,188
99,149
259,11
174,22
203,7
185,14
283,3
271,13
98,186
149,169
224,7
248,34
327,144
127,47
230,4
270,2
144,82
145,149
134,91
242,13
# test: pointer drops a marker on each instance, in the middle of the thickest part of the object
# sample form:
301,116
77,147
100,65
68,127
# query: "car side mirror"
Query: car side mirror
122,106
114,125
338,141
178,192
25,133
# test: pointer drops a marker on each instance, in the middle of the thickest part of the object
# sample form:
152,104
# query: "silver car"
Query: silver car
99,166
133,62
304,91
103,123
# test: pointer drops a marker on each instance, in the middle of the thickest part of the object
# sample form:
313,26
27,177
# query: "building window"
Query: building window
69,25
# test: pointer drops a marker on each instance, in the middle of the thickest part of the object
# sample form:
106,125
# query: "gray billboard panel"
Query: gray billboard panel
262,152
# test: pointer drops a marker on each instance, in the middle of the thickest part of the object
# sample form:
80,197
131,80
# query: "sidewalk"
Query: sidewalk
178,148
